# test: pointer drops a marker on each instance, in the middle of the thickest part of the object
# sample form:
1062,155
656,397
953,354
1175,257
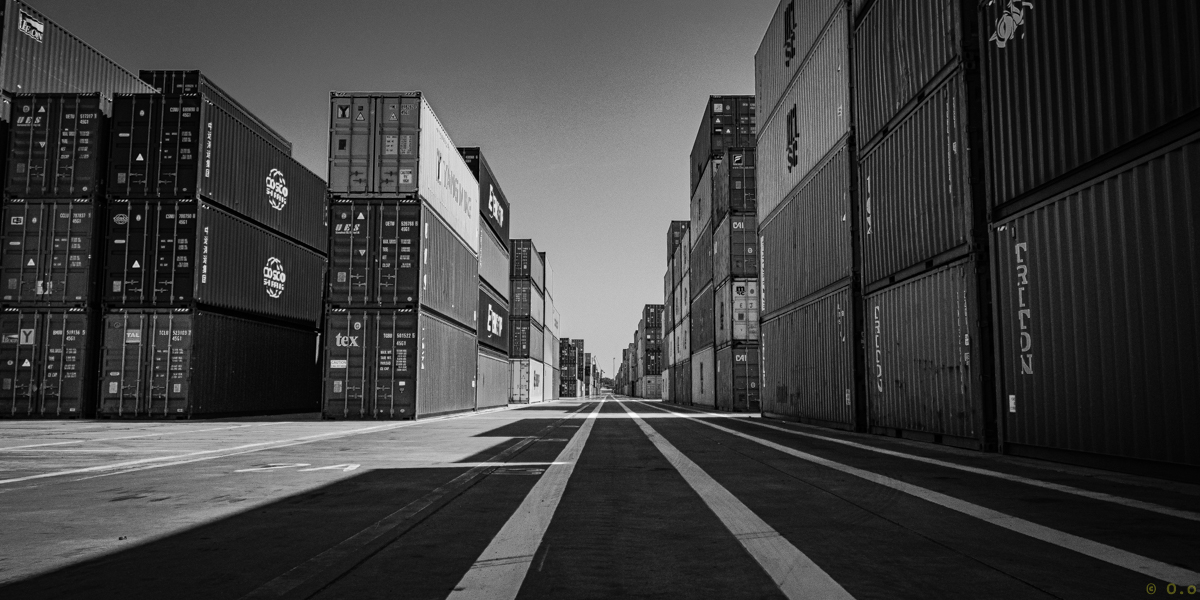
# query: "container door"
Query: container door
181,144
350,145
347,341
399,251
20,361
396,125
134,130
123,358
23,260
69,278
395,366
68,378
351,253
170,356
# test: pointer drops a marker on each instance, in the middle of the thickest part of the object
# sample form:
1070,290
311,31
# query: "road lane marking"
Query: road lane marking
1066,489
204,455
1109,554
132,437
793,571
318,568
500,570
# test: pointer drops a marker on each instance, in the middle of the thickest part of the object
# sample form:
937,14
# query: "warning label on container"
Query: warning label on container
337,364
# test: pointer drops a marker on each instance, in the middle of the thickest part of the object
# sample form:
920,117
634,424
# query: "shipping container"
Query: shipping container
736,189
915,187
180,253
786,46
703,321
921,381
548,277
737,312
701,204
553,317
528,302
685,255
183,146
396,255
728,122
808,363
192,363
737,376
651,387
495,379
50,253
735,248
195,82
493,330
527,262
702,260
675,236
527,384
1096,319
1132,71
685,295
494,263
38,56
555,385
391,145
665,396
549,352
704,368
527,339
812,120
806,245
683,383
901,48
49,362
493,204
57,146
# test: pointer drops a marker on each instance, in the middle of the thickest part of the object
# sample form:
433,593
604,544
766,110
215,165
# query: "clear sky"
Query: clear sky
586,110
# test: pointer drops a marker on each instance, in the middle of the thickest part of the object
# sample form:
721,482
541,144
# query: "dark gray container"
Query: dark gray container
195,82
48,362
794,29
494,267
526,263
174,254
38,56
184,146
527,339
57,146
192,363
737,379
493,204
51,253
494,326
702,259
1097,320
703,326
528,302
728,122
736,190
495,376
735,248
675,233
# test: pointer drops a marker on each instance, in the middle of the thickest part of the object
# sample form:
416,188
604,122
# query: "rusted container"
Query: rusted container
808,362
1096,320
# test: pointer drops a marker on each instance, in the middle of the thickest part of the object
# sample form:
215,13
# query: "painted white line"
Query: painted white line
793,571
500,570
1066,489
1109,554
133,437
203,455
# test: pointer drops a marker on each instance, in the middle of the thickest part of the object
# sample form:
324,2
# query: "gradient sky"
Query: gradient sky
585,110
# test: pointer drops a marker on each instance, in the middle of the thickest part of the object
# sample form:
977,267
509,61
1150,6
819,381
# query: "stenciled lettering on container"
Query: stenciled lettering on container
1024,313
495,322
277,191
274,278
342,340
793,140
878,335
789,33
208,146
451,184
494,205
31,27
1010,20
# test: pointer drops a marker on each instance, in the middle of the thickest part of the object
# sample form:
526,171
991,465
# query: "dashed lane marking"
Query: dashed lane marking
793,571
500,570
1109,554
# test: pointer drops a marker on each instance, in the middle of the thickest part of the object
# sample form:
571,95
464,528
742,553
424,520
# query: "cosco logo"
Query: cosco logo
274,278
789,33
793,139
277,192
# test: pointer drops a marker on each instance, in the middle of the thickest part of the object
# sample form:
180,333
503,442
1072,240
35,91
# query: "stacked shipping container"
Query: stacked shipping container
527,350
677,310
404,284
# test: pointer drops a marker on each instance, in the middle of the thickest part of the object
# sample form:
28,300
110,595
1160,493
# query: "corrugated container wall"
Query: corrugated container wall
683,382
737,312
737,378
728,122
528,387
173,364
549,277
493,204
528,302
704,367
1097,319
805,247
1124,83
446,363
57,146
449,272
494,325
39,56
675,236
183,146
735,248
51,253
171,254
494,263
526,263
795,27
702,259
702,320
701,204
527,339
195,82
50,362
814,117
915,186
811,381
370,364
920,376
737,191
495,379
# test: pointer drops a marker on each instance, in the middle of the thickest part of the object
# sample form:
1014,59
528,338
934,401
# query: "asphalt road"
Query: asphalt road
570,499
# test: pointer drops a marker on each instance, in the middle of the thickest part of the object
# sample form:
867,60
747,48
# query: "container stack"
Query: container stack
528,344
722,157
53,168
590,375
494,372
649,351
807,215
679,250
580,368
550,340
568,387
214,249
403,287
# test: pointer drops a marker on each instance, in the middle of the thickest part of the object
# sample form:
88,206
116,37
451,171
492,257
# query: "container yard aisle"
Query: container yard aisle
604,496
